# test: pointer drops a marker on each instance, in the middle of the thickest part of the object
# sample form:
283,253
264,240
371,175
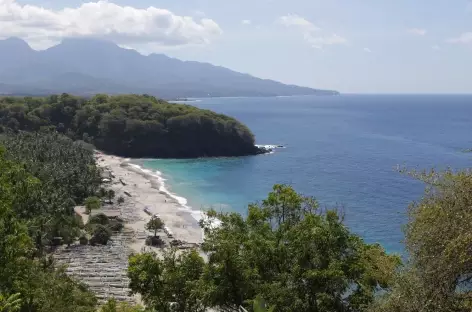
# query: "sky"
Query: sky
353,46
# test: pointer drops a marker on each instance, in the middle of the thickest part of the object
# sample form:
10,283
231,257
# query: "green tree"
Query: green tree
294,255
99,219
65,174
92,203
42,287
46,289
101,235
438,273
154,225
287,251
16,247
168,285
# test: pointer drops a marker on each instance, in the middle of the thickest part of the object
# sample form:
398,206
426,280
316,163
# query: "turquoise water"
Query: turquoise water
344,150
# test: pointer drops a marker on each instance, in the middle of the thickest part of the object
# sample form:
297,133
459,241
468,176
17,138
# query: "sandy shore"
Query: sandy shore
144,190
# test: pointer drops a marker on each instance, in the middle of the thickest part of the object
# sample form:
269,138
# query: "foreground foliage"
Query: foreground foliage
113,306
23,270
438,275
10,303
287,251
132,125
170,284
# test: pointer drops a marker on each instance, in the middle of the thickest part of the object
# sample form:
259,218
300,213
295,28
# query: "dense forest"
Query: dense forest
42,177
131,125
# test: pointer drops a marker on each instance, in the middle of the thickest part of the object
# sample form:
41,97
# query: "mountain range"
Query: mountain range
89,66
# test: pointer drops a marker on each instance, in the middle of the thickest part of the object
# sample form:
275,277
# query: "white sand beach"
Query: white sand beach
143,188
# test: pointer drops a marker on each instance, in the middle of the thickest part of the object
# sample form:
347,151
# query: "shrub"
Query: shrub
101,235
92,203
116,225
99,219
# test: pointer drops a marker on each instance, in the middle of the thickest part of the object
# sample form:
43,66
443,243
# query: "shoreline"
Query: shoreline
158,182
142,188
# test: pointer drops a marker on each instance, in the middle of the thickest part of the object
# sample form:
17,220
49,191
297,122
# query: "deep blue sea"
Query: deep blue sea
344,150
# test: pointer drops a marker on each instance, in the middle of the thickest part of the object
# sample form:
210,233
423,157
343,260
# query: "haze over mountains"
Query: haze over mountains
89,66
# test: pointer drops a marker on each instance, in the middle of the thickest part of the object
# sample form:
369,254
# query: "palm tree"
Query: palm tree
10,304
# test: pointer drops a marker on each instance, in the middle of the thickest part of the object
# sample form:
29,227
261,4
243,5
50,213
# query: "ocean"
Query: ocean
344,150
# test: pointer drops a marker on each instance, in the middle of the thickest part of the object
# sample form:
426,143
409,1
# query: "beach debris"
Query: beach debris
106,180
146,210
127,194
176,242
123,183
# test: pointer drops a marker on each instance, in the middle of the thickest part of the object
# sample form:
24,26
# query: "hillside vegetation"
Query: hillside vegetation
42,178
131,125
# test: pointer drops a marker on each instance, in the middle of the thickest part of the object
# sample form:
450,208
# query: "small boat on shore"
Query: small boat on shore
168,232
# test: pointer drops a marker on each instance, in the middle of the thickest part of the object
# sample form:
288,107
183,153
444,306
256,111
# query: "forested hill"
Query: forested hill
131,125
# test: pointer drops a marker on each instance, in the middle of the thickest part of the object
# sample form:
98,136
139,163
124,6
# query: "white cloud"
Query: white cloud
124,25
367,50
246,22
297,21
320,41
465,38
311,33
417,31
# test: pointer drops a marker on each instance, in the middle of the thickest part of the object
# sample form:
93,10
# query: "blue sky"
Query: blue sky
354,46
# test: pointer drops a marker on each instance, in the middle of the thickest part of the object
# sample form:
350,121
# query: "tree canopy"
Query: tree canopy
23,270
64,175
438,238
287,251
154,225
131,125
